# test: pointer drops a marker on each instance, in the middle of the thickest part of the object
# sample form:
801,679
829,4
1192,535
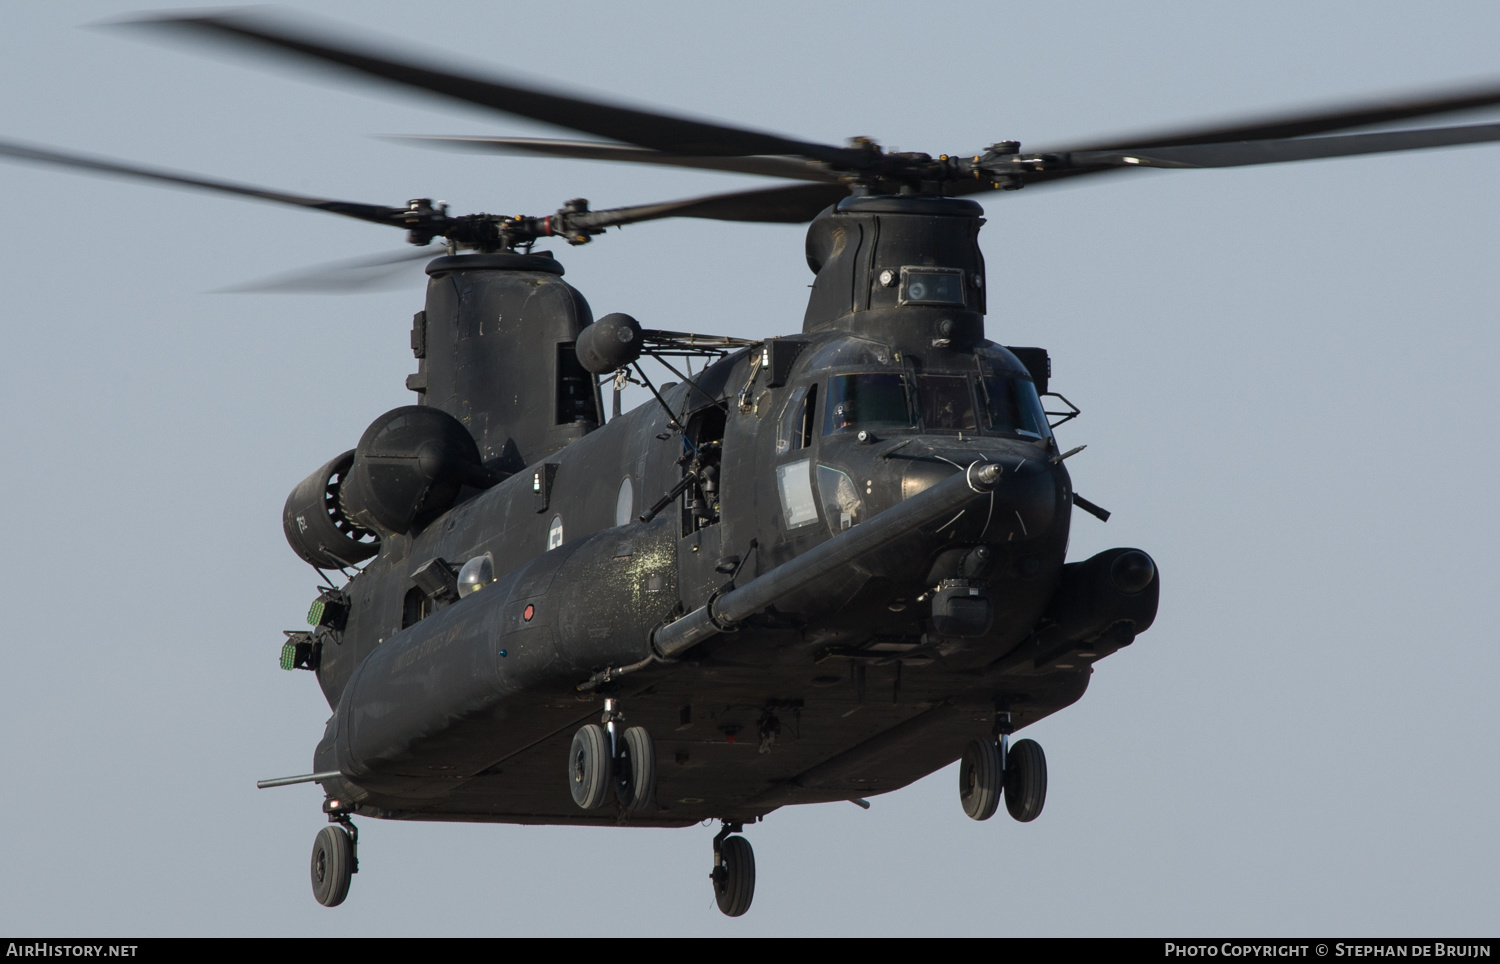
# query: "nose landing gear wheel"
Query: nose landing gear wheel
332,865
979,779
635,770
589,769
734,875
1025,780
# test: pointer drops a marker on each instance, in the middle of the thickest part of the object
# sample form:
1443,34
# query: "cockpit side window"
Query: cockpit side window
808,418
1011,406
796,430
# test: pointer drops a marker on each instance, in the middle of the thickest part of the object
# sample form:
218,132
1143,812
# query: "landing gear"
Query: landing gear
602,760
980,779
734,871
334,861
635,770
989,770
1025,780
589,767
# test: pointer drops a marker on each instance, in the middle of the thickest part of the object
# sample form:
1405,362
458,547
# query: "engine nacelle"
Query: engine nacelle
315,524
408,469
1110,597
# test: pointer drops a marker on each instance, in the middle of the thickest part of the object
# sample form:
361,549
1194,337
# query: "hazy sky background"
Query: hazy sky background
1288,378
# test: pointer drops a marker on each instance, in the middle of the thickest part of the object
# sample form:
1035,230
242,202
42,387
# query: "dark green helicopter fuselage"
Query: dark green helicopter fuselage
855,682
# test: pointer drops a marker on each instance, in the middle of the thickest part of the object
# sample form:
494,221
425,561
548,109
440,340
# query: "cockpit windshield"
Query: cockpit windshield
892,401
867,400
946,403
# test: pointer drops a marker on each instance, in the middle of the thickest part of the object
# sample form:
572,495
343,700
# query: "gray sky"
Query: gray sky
1287,377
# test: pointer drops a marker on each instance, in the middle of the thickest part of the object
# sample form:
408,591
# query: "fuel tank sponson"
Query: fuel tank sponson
925,507
440,693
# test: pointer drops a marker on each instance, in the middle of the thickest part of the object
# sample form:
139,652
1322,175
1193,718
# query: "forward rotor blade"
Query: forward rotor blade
628,125
1244,153
766,165
1268,128
98,165
1301,124
341,277
777,205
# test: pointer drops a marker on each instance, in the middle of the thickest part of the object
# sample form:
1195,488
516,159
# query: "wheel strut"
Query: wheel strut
612,715
719,838
343,821
1006,728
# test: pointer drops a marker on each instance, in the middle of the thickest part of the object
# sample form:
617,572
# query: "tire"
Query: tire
635,770
1025,780
734,878
589,768
979,779
332,866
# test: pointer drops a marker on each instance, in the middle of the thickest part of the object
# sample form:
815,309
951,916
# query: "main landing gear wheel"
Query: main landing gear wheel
734,873
1025,780
589,767
635,770
332,865
603,760
980,778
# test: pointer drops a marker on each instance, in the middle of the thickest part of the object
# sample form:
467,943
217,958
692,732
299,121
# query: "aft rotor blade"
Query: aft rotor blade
628,125
778,205
340,277
1244,153
765,165
379,214
1302,124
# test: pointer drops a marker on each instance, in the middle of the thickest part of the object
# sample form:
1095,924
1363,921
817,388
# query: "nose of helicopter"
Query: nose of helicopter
1022,506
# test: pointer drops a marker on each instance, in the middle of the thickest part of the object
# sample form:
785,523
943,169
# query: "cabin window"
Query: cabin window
868,400
415,607
625,502
555,533
703,449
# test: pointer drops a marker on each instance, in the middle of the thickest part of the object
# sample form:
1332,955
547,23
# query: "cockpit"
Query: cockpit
901,402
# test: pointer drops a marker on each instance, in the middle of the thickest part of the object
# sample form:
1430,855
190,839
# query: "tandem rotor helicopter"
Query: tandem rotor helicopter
817,568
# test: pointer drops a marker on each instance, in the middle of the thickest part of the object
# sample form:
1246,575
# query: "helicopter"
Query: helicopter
750,565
